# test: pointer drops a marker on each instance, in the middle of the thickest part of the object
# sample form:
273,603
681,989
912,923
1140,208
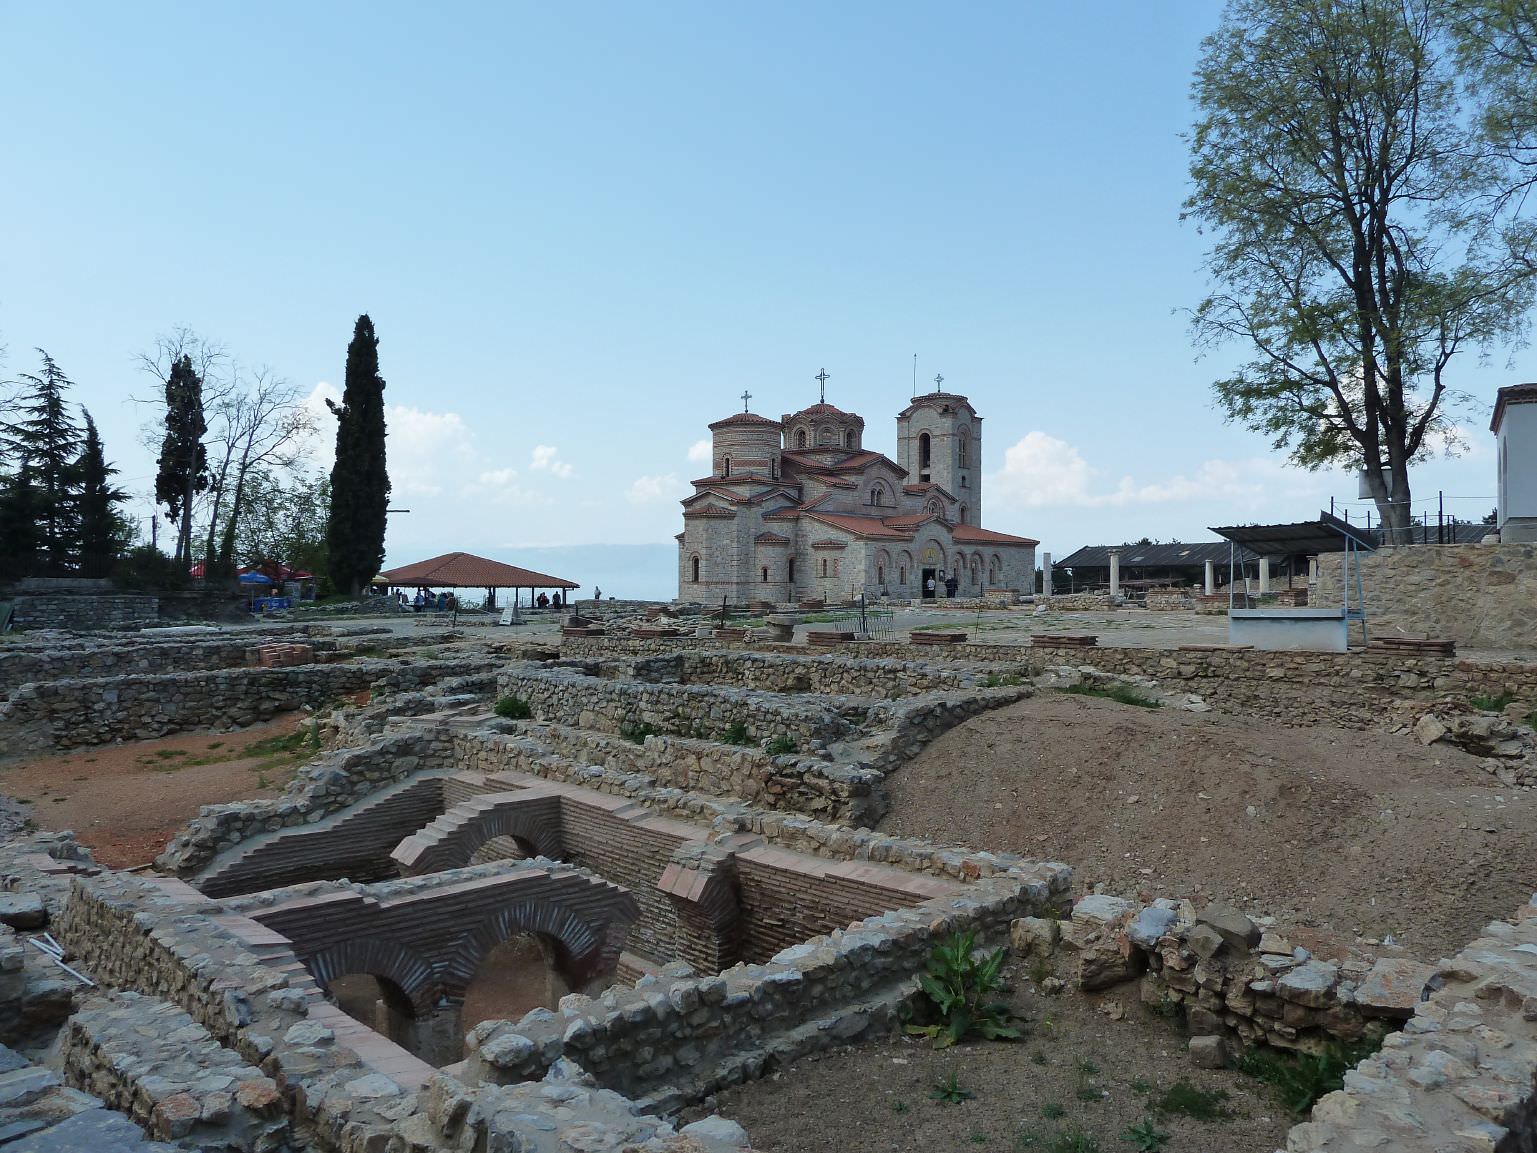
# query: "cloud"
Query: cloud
1042,471
654,489
427,450
545,460
701,451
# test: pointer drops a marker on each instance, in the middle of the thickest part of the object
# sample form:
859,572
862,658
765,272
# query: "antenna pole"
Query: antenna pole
915,375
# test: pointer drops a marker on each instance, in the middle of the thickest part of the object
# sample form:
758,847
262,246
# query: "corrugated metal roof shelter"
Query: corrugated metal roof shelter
1305,538
457,570
1163,556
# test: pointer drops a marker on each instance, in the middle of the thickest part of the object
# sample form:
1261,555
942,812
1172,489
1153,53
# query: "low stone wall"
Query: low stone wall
1079,602
836,675
1482,596
676,1037
1167,600
330,784
1361,689
1459,1075
150,1060
73,712
828,790
566,696
85,612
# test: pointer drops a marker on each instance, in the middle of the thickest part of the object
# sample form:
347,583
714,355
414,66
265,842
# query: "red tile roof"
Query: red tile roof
1511,394
464,570
871,527
971,534
751,418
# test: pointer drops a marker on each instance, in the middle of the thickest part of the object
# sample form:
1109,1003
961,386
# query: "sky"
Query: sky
583,231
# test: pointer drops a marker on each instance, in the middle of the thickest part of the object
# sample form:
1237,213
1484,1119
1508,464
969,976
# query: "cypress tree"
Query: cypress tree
183,459
20,539
360,483
103,533
42,447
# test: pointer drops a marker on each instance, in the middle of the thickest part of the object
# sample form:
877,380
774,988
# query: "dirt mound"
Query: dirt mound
1356,832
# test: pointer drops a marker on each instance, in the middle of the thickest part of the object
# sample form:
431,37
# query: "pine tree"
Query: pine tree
183,459
20,540
42,447
360,483
103,534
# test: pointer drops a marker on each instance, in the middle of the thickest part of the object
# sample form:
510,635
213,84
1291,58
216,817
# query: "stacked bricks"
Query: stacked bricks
280,656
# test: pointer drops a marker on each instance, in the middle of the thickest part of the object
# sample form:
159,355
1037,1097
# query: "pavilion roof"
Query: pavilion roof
465,570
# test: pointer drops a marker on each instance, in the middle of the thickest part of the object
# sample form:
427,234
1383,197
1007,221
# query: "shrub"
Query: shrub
1185,1099
735,734
638,731
960,988
1146,1136
1494,704
1302,1079
779,745
513,708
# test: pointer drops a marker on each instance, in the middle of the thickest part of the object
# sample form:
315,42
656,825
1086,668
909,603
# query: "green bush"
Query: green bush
1494,704
960,988
513,708
779,746
638,731
146,567
736,734
1302,1079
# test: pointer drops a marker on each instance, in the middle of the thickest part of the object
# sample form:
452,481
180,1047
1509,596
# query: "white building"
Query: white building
1515,432
797,508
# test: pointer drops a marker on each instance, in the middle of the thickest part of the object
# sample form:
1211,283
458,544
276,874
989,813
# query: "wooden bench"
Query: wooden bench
922,637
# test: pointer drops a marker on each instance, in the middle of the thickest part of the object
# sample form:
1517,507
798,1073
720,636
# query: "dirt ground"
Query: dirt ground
1358,833
1075,1083
126,801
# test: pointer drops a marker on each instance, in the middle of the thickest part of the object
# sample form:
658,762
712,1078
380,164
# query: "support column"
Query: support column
1046,574
1115,572
1264,575
1211,578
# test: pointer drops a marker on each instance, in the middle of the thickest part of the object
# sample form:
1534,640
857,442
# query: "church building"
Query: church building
798,509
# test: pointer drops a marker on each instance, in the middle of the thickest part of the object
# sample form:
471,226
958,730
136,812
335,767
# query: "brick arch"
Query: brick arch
585,948
450,841
389,960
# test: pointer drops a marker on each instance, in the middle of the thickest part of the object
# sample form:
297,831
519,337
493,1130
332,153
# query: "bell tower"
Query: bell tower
939,441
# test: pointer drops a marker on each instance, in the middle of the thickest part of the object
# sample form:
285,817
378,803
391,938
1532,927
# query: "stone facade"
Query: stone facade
796,509
86,613
1481,596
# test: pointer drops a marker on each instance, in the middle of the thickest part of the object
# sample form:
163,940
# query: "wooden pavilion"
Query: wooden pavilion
460,570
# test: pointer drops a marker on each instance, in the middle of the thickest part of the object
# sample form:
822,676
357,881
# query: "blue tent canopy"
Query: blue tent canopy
254,578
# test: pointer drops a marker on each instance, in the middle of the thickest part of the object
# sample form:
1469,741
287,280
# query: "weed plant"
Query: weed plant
780,745
1185,1100
962,990
1146,1136
1302,1079
513,708
1124,694
949,1091
736,734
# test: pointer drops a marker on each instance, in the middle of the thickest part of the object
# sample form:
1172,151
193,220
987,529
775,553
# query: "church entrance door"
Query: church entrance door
930,585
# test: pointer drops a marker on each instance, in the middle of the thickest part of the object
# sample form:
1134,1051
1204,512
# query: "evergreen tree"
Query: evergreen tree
183,459
20,540
360,484
103,533
42,447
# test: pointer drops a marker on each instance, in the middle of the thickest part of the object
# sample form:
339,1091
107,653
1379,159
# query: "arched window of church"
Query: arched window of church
902,578
965,447
726,471
848,438
824,566
826,436
923,450
800,439
696,569
963,481
933,508
963,514
765,574
773,469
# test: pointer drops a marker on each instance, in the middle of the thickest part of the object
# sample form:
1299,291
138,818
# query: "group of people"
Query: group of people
557,600
425,601
952,583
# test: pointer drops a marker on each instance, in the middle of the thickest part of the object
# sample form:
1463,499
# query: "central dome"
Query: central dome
823,426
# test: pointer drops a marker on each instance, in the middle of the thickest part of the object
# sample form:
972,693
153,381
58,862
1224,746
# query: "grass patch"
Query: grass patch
1184,1100
1301,1080
273,746
1495,704
780,745
1052,1111
1124,694
1075,1141
638,733
513,708
997,681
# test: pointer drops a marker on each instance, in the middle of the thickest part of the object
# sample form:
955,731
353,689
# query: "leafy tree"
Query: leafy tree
360,484
183,459
285,521
42,447
1497,45
103,533
1359,241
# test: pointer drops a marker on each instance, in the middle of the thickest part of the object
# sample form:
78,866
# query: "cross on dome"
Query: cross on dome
822,378
746,396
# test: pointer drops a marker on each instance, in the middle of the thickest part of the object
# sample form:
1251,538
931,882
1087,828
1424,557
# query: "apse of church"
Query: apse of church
798,508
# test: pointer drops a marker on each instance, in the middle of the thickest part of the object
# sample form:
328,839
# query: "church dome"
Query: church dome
823,425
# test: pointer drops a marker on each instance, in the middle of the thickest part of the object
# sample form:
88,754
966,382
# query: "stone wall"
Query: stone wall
676,1037
779,673
1482,596
89,612
73,712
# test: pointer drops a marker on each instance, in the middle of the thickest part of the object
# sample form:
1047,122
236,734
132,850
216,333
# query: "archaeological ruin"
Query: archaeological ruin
558,893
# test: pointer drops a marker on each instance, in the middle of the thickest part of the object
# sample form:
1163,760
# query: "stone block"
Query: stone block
1393,987
1034,936
1208,1052
1235,928
1310,984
